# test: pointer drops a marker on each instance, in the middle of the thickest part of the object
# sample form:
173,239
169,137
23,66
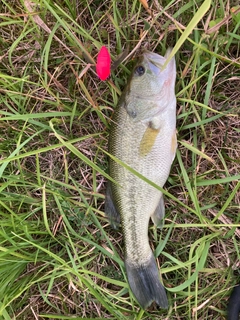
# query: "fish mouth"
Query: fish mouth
155,59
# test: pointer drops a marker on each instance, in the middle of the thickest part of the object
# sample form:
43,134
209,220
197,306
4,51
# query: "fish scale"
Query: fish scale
126,149
143,136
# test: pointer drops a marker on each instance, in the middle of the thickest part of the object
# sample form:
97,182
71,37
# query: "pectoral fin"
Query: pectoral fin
148,140
159,213
110,209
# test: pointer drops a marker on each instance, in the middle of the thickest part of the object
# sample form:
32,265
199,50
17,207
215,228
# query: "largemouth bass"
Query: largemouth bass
142,136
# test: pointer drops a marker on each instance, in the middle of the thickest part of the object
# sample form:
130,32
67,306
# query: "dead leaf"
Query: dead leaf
144,3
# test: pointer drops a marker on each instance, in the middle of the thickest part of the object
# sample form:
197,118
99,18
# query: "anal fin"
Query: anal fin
159,213
110,209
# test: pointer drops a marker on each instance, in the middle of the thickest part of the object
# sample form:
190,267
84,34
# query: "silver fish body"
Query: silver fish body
143,136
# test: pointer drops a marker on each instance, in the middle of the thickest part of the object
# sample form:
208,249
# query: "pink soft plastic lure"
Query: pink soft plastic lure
103,63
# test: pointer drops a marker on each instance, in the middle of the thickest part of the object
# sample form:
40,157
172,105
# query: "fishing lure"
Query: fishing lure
103,63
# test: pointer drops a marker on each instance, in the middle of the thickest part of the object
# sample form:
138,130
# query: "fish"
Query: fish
142,138
103,65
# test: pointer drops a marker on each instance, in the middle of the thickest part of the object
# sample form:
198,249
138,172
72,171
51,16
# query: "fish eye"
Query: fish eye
140,70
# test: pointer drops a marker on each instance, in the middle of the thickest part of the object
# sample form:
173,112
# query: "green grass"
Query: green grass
59,258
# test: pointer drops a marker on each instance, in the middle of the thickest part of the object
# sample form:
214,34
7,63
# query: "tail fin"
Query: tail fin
145,284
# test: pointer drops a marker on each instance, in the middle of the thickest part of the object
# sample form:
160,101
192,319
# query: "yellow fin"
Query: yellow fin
148,141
